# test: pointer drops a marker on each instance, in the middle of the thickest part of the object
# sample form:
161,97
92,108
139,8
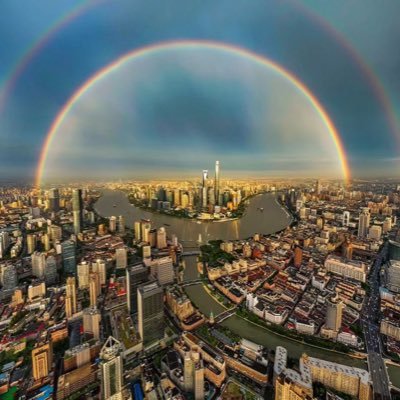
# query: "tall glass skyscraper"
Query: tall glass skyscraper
150,312
111,369
69,257
54,200
136,275
77,210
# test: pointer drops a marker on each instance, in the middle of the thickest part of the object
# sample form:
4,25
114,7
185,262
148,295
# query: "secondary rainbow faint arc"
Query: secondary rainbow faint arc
100,74
35,48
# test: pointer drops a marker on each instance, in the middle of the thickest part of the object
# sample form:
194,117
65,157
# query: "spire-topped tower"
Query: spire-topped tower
216,183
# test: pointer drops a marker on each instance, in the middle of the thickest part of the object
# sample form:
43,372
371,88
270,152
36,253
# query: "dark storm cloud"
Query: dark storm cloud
276,29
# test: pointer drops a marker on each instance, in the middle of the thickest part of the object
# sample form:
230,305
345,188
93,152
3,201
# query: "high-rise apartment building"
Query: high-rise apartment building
8,276
94,288
161,238
31,243
137,227
83,270
112,224
100,267
146,227
55,233
346,218
50,271
363,222
121,258
121,224
70,297
38,264
4,243
334,314
162,269
91,322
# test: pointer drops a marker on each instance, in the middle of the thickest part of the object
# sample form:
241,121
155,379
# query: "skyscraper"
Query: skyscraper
54,200
121,257
346,218
318,187
50,272
363,223
112,223
31,243
70,297
69,257
121,224
216,183
83,271
138,231
150,312
77,210
94,288
111,370
136,275
38,264
9,277
162,269
334,314
100,267
146,227
204,190
5,243
91,322
194,373
161,238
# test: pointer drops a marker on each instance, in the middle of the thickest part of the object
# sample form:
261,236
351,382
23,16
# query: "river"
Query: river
272,219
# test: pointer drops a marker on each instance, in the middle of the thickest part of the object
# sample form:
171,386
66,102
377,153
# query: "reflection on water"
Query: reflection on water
272,219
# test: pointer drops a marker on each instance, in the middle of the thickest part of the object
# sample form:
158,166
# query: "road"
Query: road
369,319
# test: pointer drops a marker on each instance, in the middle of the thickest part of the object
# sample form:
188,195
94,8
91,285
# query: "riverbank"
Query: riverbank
359,356
195,216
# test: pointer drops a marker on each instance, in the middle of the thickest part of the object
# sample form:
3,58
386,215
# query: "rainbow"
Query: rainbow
37,46
376,85
103,72
365,69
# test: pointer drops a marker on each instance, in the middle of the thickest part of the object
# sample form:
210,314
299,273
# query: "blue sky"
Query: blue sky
284,31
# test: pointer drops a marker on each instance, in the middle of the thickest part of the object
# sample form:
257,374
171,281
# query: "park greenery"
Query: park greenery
212,254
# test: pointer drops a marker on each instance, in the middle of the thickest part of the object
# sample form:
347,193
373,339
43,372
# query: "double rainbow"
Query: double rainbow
144,51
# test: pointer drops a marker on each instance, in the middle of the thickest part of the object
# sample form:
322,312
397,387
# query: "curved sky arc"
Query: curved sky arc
37,46
368,73
370,76
99,75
